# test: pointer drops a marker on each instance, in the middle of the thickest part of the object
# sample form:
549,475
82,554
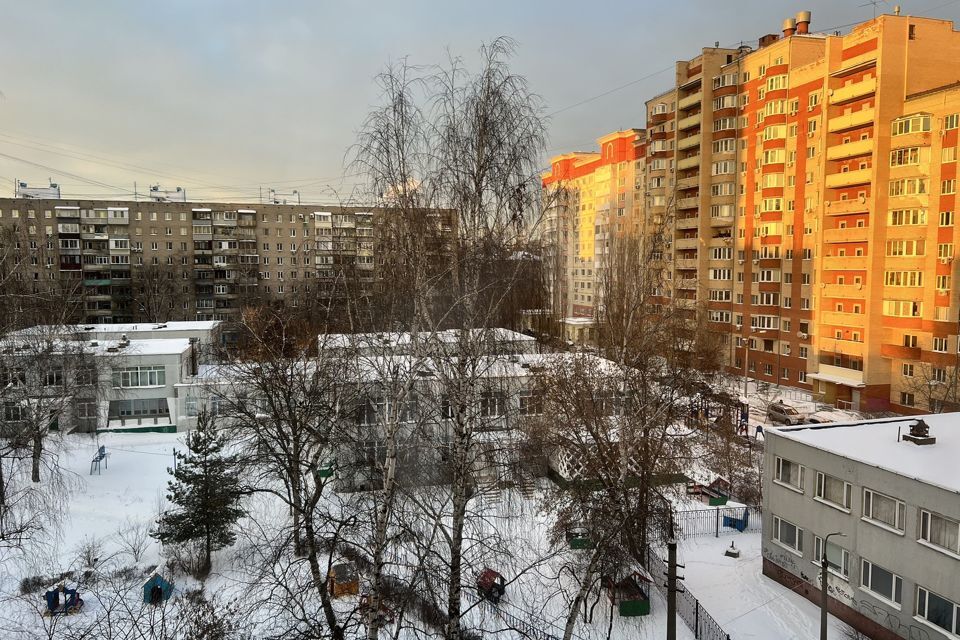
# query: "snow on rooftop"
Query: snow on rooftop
874,442
126,327
153,347
394,339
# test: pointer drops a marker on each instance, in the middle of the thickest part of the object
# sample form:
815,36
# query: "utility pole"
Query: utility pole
672,588
823,584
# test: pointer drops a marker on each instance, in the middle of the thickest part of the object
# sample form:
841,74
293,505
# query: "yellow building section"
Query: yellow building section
586,237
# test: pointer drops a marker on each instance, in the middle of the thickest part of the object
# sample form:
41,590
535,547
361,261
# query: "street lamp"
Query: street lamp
823,583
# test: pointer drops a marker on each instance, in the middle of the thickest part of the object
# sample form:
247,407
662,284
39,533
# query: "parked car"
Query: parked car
832,415
780,412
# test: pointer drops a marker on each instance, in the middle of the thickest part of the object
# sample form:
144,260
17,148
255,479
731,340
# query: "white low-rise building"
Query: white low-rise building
891,487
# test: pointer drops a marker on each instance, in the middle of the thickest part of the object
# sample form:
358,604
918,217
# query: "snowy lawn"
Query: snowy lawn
740,598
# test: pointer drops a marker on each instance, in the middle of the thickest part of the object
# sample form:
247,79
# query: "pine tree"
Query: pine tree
206,491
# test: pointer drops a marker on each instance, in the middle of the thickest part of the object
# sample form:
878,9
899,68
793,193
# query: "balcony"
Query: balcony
686,263
686,243
899,352
690,100
687,283
849,234
687,223
721,221
842,319
689,142
688,203
843,347
688,163
96,282
843,291
850,149
851,120
689,122
849,178
843,207
845,263
688,183
839,375
853,91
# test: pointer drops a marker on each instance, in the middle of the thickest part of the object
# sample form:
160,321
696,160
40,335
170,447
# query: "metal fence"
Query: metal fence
713,522
702,624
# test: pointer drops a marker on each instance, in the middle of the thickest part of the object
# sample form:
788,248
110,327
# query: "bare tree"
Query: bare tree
157,294
470,143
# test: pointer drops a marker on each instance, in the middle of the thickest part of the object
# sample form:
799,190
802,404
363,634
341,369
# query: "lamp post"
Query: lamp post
823,583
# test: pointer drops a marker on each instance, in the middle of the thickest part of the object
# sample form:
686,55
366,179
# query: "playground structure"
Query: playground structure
157,589
100,457
714,494
491,585
71,603
343,580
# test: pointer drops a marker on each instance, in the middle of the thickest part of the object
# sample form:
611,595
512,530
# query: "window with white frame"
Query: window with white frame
881,582
140,377
838,558
789,473
881,508
788,534
833,491
492,404
940,531
938,611
531,404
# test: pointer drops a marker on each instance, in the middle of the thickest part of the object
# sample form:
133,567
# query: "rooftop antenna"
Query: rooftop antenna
874,4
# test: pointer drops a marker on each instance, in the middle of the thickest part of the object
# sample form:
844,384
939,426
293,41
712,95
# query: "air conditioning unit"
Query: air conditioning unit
739,261
946,260
862,199
738,326
789,164
756,261
802,335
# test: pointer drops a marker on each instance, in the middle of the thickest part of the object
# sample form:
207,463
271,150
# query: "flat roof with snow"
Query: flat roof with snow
126,327
394,339
154,347
875,443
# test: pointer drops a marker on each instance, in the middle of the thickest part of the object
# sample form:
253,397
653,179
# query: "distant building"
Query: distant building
189,261
892,488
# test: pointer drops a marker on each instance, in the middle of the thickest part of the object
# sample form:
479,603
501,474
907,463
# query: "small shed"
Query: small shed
343,580
157,589
631,594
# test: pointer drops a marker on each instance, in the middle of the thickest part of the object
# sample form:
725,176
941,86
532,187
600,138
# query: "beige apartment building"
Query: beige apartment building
160,261
809,189
590,197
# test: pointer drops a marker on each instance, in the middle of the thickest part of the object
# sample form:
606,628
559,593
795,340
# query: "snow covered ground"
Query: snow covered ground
740,598
130,490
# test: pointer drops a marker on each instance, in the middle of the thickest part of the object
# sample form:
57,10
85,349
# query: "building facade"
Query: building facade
808,190
895,499
590,198
160,261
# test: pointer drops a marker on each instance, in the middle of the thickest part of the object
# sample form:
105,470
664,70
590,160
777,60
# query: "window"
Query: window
905,156
907,370
940,344
902,308
880,582
909,187
940,531
902,217
911,124
948,186
788,534
907,399
191,406
950,121
139,377
883,509
491,404
946,218
53,378
833,490
838,559
789,473
938,611
531,404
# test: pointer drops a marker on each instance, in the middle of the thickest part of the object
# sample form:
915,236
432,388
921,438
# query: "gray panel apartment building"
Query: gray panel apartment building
159,261
896,571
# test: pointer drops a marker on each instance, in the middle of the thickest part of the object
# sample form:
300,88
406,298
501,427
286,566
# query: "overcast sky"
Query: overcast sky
221,97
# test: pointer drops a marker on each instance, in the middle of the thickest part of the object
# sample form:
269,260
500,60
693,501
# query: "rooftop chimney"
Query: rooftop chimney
803,22
789,27
768,39
920,433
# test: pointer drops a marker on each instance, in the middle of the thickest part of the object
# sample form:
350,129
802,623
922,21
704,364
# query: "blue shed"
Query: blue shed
157,589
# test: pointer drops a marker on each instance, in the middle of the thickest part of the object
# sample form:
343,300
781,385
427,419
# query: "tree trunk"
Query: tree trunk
581,595
37,454
320,580
380,533
454,593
